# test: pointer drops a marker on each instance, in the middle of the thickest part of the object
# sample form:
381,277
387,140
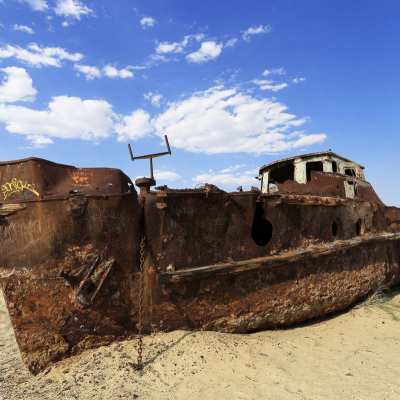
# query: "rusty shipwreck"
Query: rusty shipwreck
312,239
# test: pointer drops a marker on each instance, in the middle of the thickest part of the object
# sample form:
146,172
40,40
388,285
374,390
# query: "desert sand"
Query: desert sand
349,355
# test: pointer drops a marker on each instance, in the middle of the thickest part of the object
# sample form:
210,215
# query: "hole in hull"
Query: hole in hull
359,228
262,228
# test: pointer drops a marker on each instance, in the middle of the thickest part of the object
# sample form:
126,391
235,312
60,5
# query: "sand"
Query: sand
350,355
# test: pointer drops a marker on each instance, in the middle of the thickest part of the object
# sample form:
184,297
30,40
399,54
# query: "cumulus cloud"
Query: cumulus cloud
231,168
147,22
221,120
208,51
154,98
231,42
66,118
270,85
136,67
133,126
36,5
277,71
214,121
39,141
226,179
23,28
71,9
113,72
177,47
166,175
16,86
89,72
37,56
255,31
298,80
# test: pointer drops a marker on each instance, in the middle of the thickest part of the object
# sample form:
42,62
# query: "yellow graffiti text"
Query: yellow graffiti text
17,186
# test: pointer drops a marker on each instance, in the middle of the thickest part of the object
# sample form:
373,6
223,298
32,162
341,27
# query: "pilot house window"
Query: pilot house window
313,166
282,174
350,172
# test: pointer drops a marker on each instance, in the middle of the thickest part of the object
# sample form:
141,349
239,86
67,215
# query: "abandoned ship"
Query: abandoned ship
85,260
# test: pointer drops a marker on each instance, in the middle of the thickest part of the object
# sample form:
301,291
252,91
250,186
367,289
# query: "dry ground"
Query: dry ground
350,355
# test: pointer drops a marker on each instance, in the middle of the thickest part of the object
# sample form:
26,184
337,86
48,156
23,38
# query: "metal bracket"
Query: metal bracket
87,280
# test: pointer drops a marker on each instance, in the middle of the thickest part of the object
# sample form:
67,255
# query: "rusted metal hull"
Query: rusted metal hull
51,317
69,263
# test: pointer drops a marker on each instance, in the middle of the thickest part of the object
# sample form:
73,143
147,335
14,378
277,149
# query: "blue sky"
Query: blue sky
234,84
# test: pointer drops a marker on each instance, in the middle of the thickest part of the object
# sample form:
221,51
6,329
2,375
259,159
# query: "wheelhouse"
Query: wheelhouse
310,169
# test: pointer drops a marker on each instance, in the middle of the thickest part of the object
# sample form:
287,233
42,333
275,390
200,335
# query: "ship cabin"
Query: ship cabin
319,174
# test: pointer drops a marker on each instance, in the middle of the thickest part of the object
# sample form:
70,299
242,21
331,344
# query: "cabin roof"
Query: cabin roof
310,155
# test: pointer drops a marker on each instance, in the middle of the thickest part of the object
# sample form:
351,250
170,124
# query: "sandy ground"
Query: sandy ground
350,355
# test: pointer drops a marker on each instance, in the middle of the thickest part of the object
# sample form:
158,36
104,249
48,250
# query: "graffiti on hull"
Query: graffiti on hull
17,186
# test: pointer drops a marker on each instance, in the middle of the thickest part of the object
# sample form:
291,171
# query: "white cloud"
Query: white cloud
176,47
208,51
231,42
214,121
147,22
39,141
71,8
154,98
277,71
231,168
269,85
65,117
16,86
37,56
64,24
133,126
166,175
159,57
274,88
169,47
255,31
226,179
89,72
36,5
113,72
136,67
2,25
222,120
23,28
298,80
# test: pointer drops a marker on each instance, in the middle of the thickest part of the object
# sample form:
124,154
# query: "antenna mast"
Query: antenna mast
145,183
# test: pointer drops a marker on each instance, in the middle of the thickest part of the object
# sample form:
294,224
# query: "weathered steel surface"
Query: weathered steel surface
66,259
330,185
232,262
276,296
288,257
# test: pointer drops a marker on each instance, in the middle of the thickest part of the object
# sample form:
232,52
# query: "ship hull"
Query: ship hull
71,270
51,322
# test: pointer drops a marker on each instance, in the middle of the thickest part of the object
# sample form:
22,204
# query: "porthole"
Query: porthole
335,228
